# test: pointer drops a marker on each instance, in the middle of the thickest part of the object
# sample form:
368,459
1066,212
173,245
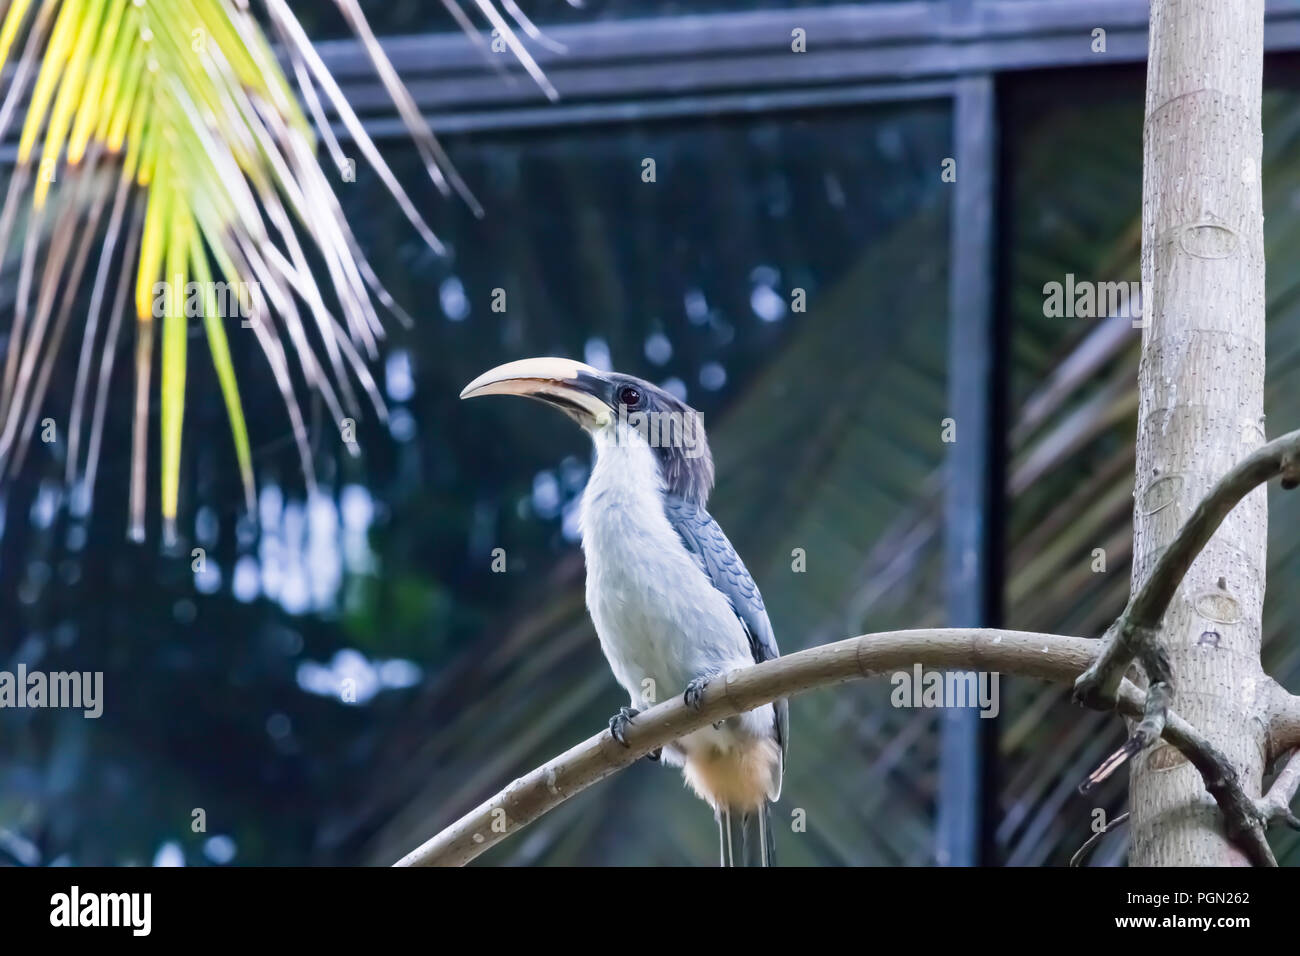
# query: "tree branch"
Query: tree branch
1081,854
1047,656
1244,822
1051,657
1135,635
1283,721
1276,804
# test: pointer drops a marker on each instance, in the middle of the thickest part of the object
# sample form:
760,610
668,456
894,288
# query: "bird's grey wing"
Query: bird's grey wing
704,538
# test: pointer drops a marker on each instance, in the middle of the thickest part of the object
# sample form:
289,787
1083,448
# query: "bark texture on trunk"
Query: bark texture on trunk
1202,388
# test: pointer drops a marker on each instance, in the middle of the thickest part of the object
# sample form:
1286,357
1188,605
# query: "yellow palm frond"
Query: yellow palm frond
184,106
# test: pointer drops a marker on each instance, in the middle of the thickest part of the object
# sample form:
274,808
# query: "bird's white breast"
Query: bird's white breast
660,621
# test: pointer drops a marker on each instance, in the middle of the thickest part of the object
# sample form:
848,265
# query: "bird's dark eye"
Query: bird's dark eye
630,396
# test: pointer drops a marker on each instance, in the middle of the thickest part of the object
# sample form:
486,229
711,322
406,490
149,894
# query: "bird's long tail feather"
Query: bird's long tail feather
747,837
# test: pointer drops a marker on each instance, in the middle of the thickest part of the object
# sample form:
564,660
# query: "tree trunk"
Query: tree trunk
1202,389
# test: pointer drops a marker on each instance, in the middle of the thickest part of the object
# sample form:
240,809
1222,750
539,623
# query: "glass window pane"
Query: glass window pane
825,424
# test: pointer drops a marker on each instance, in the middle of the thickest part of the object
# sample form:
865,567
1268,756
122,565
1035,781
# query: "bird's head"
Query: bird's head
616,410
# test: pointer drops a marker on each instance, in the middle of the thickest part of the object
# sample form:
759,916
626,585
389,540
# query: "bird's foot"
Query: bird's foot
694,695
655,755
618,723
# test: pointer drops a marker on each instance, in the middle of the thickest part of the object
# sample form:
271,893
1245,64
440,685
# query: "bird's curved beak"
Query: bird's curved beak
580,391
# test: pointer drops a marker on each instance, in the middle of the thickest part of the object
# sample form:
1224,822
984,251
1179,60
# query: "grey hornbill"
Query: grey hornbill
671,600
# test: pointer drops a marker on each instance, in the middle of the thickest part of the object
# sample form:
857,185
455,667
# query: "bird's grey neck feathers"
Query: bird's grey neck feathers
674,434
690,479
